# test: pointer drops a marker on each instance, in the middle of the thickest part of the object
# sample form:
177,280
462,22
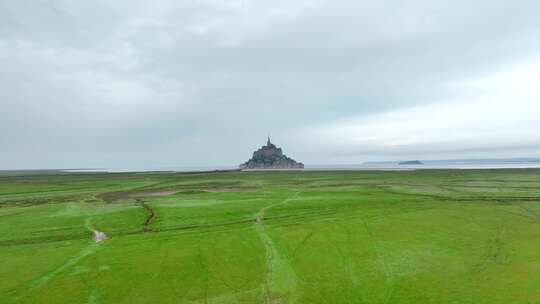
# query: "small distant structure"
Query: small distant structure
271,157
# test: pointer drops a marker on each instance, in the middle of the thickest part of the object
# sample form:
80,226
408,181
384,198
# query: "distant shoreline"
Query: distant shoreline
11,173
457,164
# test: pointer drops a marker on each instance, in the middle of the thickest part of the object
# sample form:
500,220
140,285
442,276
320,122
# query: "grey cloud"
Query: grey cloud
130,83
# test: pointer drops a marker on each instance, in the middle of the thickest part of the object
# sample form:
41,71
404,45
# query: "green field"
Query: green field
272,237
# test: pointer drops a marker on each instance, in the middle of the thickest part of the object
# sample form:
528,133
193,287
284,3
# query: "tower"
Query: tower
268,143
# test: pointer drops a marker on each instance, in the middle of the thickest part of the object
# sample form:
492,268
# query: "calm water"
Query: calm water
483,164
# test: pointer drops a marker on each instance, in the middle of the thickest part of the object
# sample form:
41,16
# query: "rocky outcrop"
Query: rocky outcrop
271,157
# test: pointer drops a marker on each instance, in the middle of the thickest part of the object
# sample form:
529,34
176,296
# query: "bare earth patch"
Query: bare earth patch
243,189
99,236
154,194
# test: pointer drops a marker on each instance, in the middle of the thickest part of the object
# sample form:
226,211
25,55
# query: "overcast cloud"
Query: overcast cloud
201,83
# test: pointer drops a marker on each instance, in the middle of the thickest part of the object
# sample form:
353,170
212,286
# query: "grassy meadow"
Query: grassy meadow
431,236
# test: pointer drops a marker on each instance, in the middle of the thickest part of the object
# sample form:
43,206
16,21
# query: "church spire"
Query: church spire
268,143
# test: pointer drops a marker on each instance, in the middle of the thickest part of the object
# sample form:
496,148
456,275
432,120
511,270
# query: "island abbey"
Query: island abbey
271,157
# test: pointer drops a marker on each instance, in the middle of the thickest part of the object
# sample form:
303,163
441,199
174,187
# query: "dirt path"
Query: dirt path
151,216
280,279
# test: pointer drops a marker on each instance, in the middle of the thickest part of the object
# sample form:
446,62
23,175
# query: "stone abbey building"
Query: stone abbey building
271,157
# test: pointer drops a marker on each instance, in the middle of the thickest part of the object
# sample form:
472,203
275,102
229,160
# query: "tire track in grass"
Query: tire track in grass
387,273
236,292
137,292
280,279
164,268
350,279
86,251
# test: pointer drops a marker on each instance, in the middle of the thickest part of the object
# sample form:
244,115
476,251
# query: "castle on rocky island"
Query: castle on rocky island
271,157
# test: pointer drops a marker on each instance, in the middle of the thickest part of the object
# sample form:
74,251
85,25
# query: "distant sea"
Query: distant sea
503,163
151,169
507,163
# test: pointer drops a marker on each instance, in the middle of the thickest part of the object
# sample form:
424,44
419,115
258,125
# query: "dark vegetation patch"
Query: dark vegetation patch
150,218
190,192
191,188
46,239
33,201
338,185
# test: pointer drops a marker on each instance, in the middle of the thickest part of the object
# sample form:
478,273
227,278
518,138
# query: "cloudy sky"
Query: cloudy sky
132,84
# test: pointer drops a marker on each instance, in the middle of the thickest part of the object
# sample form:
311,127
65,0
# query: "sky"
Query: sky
150,84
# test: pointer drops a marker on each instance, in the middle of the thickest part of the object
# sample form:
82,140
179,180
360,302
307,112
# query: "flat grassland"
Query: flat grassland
272,237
